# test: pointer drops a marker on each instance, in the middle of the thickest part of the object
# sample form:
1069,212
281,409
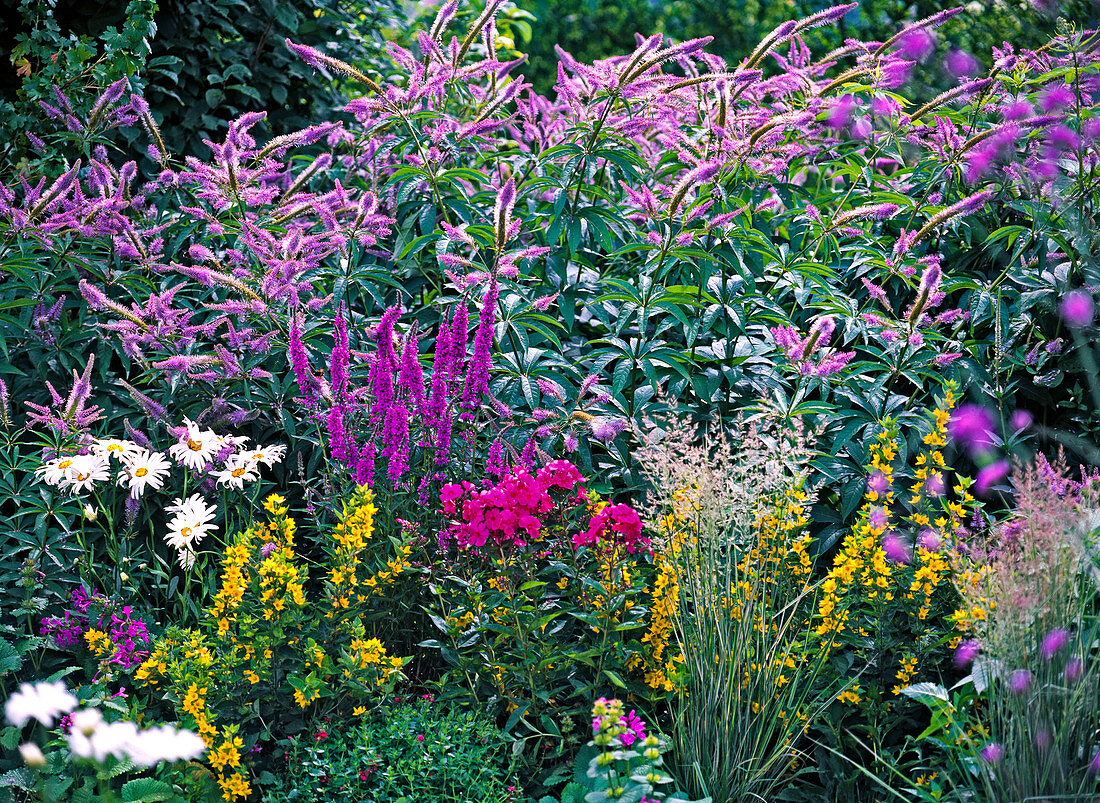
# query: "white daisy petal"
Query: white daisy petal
145,469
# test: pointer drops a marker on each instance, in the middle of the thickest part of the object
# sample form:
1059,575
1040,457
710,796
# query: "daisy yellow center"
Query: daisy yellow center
141,472
194,445
81,477
114,447
186,532
239,471
65,464
257,457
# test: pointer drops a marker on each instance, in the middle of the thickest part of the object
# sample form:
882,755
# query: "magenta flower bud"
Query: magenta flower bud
930,541
990,475
961,64
1043,740
1074,668
972,426
992,753
966,652
877,518
935,484
916,44
1022,420
1053,641
1019,681
896,549
878,483
1094,765
1077,309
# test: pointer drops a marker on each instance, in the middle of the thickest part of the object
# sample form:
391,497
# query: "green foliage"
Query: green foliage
213,61
595,29
408,751
81,52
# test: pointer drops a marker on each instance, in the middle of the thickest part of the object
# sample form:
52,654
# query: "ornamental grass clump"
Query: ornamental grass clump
732,510
1029,595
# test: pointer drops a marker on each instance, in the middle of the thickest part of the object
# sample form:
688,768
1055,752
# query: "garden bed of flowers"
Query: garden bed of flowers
705,429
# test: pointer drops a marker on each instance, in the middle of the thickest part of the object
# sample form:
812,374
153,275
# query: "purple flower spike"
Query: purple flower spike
990,475
1077,309
972,426
1074,668
1054,641
966,652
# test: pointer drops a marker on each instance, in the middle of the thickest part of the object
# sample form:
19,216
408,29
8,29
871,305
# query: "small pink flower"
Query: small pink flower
895,548
990,475
420,737
966,653
1019,681
972,426
992,753
1077,309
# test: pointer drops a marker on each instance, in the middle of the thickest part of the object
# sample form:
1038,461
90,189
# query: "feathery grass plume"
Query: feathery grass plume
731,508
966,206
793,27
677,51
868,212
59,187
213,278
699,175
98,300
108,97
644,48
139,105
502,213
322,162
1033,583
318,60
929,285
482,20
970,87
442,19
932,21
307,136
495,101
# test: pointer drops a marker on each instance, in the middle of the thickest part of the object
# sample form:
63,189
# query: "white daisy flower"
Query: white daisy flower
105,739
164,743
85,471
113,447
42,701
198,447
237,472
186,558
268,455
193,522
56,471
143,469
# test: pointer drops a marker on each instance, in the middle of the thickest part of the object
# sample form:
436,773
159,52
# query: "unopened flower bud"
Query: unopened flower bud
90,513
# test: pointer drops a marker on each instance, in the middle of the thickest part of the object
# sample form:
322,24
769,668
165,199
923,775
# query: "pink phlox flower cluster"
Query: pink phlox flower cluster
618,524
512,512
